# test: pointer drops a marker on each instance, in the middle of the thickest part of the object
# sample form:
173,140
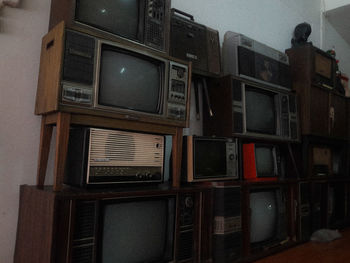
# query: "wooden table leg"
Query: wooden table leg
177,153
44,149
62,137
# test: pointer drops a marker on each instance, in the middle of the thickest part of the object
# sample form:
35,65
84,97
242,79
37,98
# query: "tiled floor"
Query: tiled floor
337,251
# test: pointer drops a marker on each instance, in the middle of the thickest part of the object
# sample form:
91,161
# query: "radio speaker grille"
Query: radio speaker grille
120,148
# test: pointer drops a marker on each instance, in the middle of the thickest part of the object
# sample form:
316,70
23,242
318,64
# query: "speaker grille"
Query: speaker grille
85,214
83,254
78,58
185,250
155,17
227,201
119,148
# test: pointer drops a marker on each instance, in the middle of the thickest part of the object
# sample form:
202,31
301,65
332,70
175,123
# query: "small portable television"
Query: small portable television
99,77
113,157
252,60
144,22
242,108
209,159
262,162
268,217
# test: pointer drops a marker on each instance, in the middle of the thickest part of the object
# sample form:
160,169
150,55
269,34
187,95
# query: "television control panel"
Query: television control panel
177,93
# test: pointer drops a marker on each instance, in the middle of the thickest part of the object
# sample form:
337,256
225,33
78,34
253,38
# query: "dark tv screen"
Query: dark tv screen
119,17
138,231
129,80
265,165
210,158
264,216
260,111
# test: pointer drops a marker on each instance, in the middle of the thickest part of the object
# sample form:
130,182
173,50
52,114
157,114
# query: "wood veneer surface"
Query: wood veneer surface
337,251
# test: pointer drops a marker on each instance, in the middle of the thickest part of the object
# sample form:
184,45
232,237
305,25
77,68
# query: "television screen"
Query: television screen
129,80
210,158
138,231
115,16
264,216
265,161
260,111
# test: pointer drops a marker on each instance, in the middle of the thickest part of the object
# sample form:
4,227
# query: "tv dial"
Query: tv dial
188,202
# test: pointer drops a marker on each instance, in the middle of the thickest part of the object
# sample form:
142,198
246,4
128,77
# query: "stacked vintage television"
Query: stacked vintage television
119,102
248,151
123,81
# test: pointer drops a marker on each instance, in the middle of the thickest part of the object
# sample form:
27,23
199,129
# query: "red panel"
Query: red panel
249,164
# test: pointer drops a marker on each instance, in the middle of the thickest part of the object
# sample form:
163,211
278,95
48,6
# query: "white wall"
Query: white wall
270,21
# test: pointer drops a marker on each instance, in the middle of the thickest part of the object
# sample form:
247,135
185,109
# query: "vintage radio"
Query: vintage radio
320,66
145,22
243,108
209,159
101,156
250,59
194,42
84,74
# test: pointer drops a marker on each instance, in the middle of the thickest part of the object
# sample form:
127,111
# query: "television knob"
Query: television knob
180,73
231,156
188,202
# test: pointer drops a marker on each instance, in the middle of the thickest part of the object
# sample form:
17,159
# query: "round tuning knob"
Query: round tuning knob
189,202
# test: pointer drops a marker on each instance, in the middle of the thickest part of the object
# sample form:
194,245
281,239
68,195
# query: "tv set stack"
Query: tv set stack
253,104
115,79
325,140
119,100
